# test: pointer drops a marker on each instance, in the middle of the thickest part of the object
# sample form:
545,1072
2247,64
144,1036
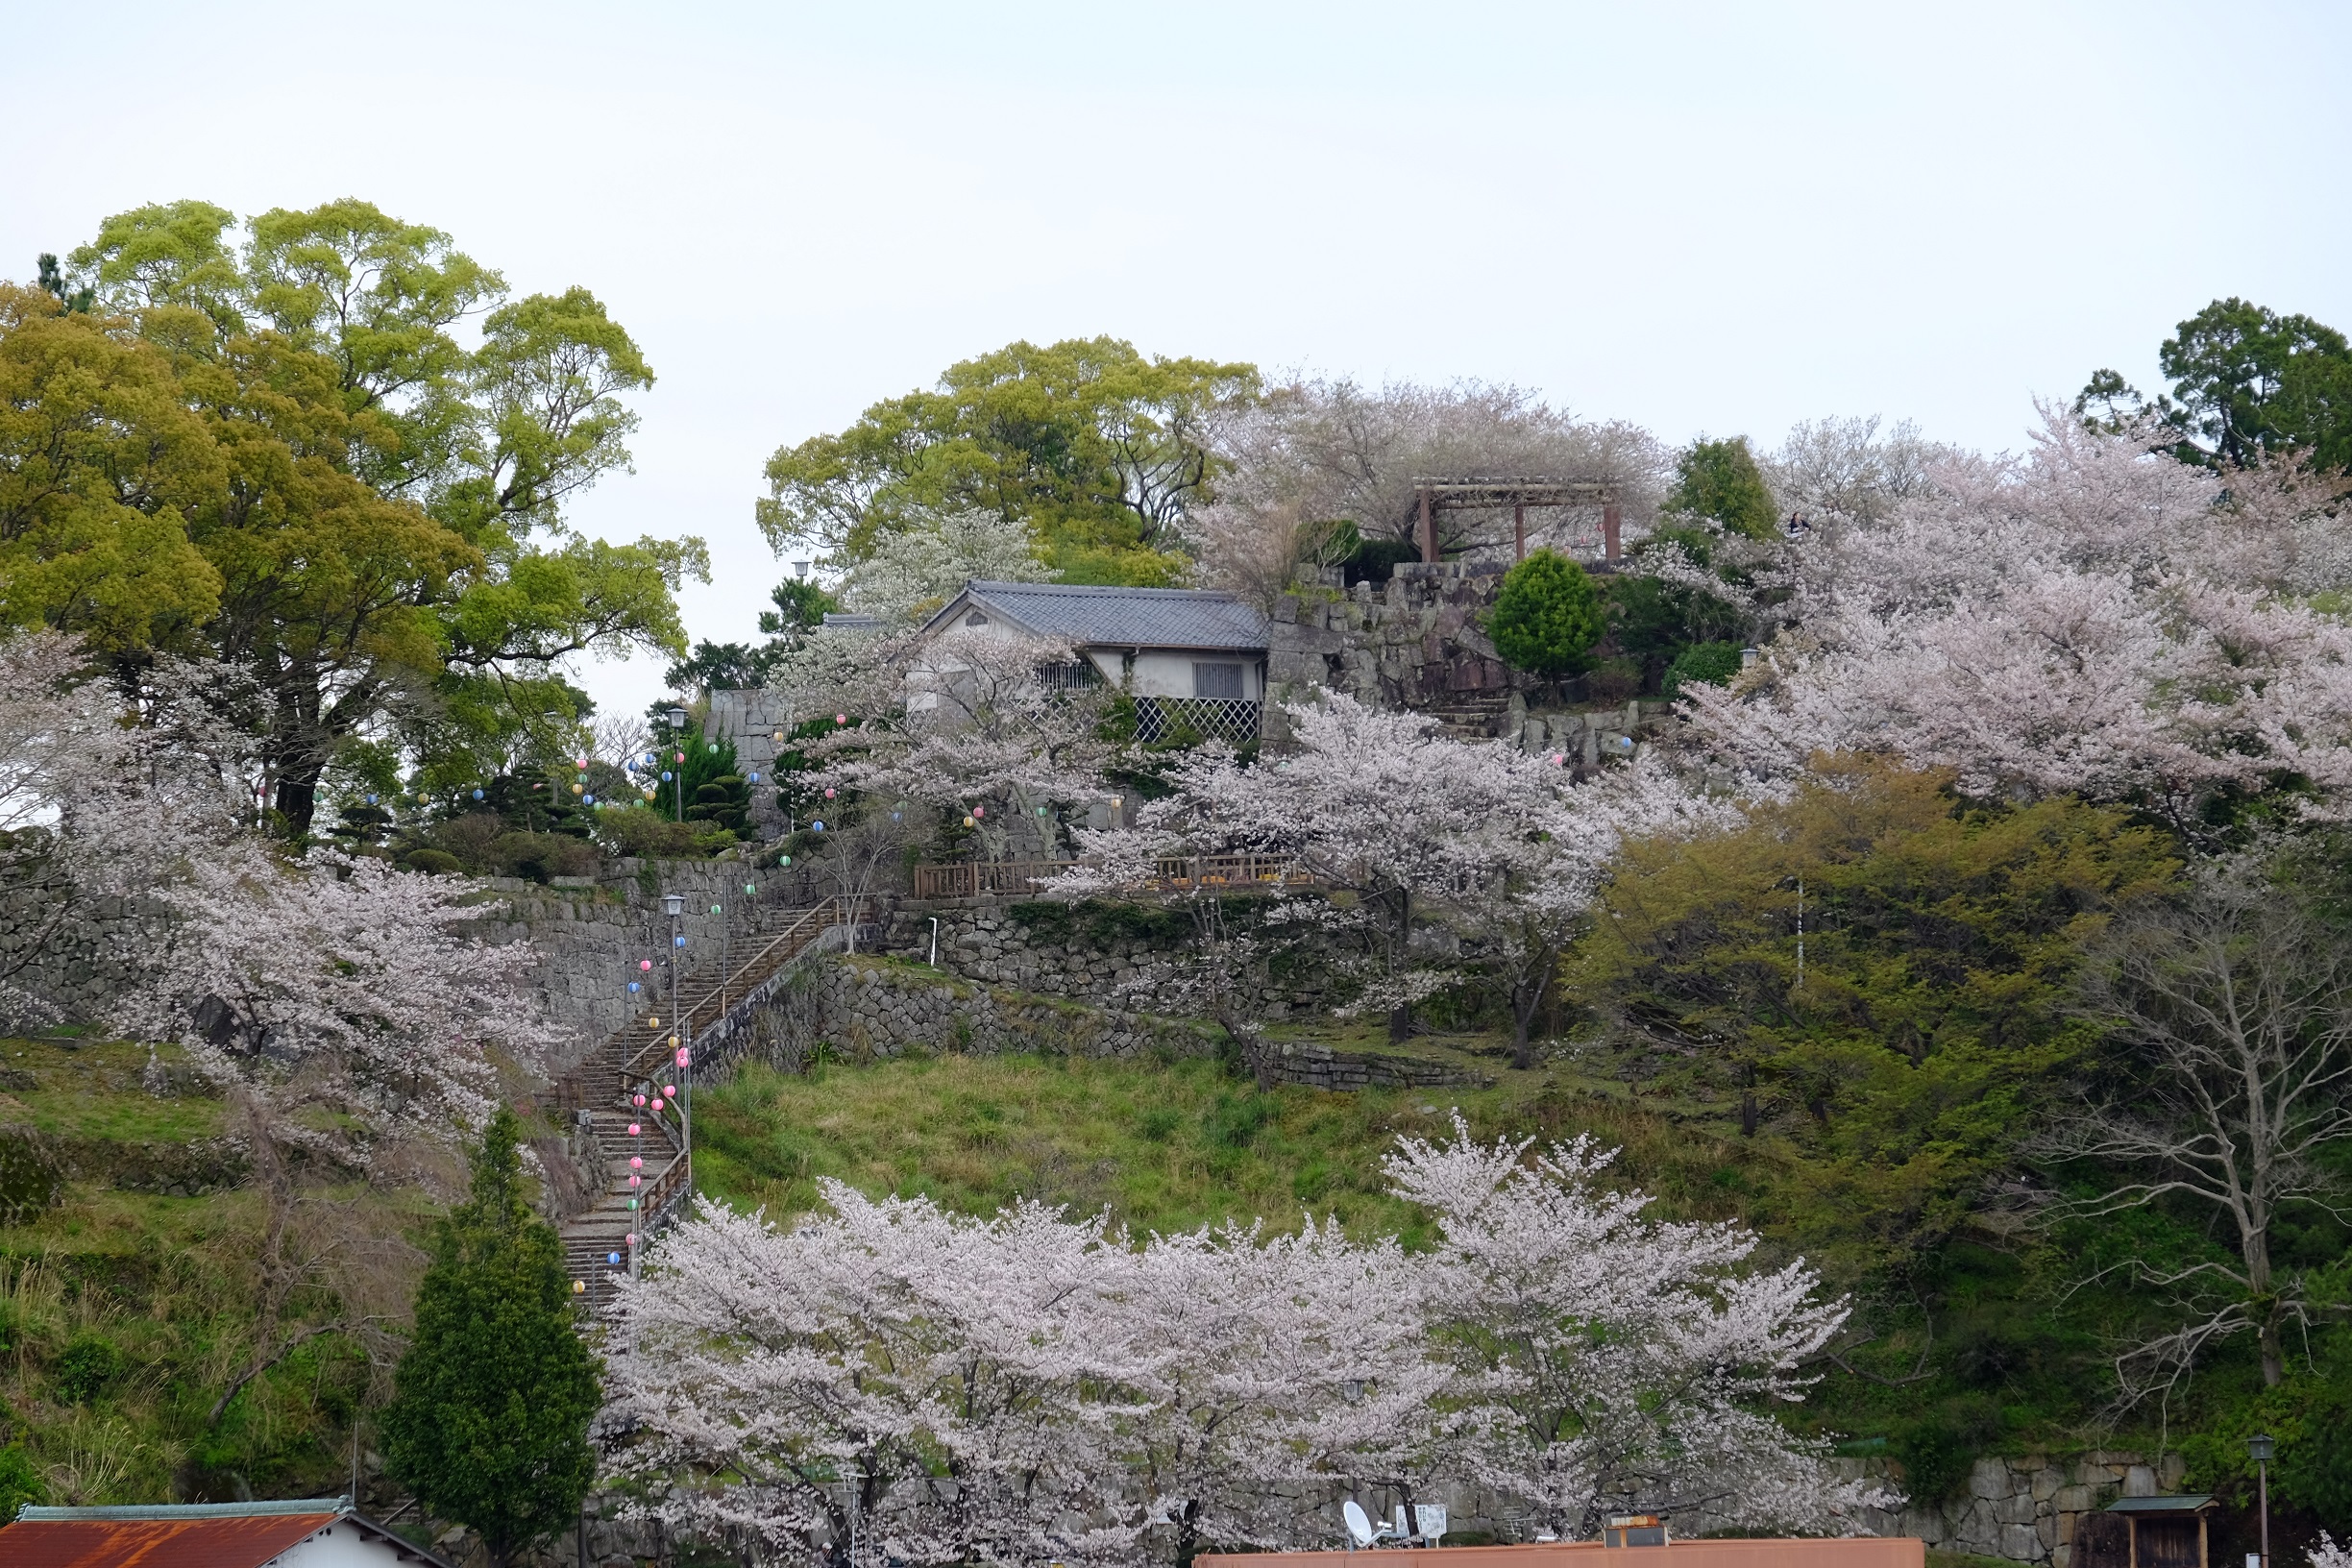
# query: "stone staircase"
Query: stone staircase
602,1095
1467,716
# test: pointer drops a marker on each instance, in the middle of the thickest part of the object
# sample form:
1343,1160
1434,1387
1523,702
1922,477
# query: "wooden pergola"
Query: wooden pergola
1433,494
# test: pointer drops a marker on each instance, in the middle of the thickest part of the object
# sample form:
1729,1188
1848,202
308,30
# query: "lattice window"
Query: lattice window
1164,719
1221,681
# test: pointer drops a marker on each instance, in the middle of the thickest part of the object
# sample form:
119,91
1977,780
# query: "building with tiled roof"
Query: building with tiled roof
1193,660
309,1533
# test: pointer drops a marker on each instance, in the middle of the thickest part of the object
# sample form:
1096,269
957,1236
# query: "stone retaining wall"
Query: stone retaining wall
2025,1509
986,941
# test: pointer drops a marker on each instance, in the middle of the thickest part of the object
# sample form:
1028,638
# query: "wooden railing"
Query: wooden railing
652,1059
987,878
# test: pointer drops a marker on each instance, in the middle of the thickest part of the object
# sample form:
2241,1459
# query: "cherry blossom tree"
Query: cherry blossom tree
2328,1555
1264,1359
883,1371
1606,1361
2083,618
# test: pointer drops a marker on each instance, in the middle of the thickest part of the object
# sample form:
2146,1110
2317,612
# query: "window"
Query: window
1075,675
976,619
1217,681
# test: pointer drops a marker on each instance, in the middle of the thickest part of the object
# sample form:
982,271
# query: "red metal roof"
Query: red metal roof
235,1542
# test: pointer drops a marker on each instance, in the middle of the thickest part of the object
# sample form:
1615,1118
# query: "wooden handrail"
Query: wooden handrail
973,879
650,1058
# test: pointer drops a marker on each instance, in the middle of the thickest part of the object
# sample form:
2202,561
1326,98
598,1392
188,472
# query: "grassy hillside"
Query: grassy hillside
126,1308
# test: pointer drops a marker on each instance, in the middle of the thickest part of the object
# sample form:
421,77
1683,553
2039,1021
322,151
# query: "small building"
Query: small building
309,1533
1193,661
2144,1532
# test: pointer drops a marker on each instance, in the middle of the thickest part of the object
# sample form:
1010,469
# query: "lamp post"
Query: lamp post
674,904
677,751
2260,1447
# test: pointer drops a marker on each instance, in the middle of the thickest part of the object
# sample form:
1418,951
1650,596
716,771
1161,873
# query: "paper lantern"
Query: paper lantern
818,825
665,776
968,822
756,775
635,1129
612,1257
677,941
576,789
657,1102
784,860
841,717
477,795
639,1100
636,1161
751,890
681,756
582,763
371,799
681,1056
630,1239
633,1181
644,963
579,1286
671,1090
716,910
828,794
979,811
591,799
633,988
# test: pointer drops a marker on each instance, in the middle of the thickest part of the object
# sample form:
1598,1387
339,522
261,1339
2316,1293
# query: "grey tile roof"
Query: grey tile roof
1119,617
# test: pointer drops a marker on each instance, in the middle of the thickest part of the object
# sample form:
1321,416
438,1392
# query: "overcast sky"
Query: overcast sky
1706,218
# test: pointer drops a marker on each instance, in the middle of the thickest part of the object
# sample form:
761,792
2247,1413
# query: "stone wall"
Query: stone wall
593,932
867,1007
2025,1509
75,956
1414,642
985,941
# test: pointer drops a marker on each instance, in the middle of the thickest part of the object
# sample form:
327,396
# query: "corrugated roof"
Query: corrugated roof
1118,617
2186,1502
187,1535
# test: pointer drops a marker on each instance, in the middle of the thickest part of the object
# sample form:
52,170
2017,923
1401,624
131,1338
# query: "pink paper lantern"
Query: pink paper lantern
636,1163
634,1129
644,963
979,811
630,1239
669,1090
657,1102
640,1100
681,1056
634,1180
828,794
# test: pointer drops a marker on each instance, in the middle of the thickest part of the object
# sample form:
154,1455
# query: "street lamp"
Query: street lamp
2260,1447
677,751
800,570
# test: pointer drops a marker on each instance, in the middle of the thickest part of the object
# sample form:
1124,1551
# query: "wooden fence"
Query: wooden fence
1000,878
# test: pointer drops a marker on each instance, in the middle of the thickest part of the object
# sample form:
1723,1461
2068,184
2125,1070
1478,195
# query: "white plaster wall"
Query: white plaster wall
1167,674
340,1546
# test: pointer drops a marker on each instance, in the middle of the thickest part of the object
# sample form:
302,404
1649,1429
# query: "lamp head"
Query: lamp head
677,717
673,903
2261,1447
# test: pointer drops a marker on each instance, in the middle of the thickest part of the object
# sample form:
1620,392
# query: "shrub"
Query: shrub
1613,682
19,1482
433,862
1938,1450
1547,616
1719,479
649,835
540,856
1376,561
86,1367
1712,664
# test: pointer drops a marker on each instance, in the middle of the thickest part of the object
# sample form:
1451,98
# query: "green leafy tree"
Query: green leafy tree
2247,381
489,1422
1101,451
1933,1014
352,506
1546,616
1719,480
1712,664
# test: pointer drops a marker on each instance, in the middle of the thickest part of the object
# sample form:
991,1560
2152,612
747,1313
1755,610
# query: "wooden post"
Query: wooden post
1519,529
1611,522
1429,529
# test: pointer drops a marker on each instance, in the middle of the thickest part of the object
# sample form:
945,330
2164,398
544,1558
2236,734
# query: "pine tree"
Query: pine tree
489,1422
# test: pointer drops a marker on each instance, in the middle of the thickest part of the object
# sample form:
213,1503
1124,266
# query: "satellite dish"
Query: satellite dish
1358,1524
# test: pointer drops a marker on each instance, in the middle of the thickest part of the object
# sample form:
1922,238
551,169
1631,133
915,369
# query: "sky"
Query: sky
1706,218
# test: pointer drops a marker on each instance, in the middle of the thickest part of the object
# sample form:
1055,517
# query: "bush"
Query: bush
646,834
540,856
433,862
1938,1450
1376,561
1547,616
1712,664
1719,479
86,1367
19,1482
1613,682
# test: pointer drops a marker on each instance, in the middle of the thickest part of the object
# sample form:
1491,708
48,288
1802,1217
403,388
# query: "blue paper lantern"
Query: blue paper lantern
756,775
590,799
818,826
371,799
477,795
632,985
677,941
665,776
612,1258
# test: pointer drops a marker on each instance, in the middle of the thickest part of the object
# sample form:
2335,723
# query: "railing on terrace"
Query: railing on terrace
985,879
